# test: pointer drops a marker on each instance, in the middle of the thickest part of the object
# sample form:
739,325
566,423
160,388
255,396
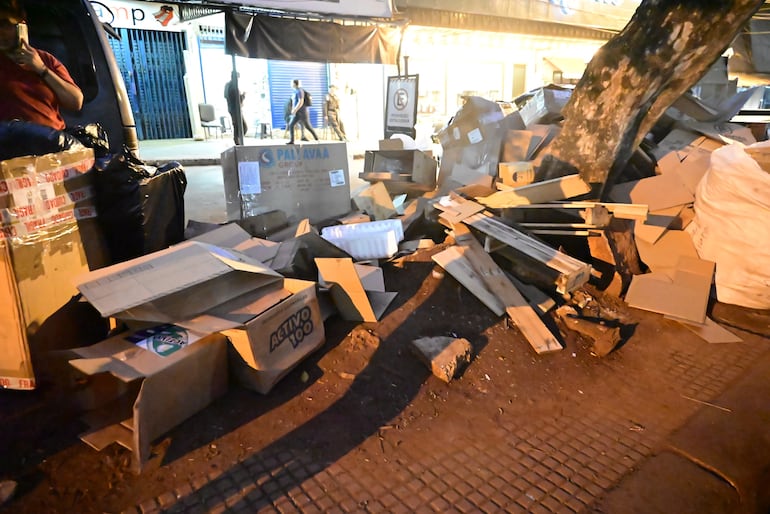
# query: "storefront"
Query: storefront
173,66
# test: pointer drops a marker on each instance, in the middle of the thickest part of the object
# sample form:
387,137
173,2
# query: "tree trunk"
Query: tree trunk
665,49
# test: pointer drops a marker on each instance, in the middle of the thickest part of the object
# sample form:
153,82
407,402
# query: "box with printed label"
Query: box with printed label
305,181
272,321
48,235
147,382
282,332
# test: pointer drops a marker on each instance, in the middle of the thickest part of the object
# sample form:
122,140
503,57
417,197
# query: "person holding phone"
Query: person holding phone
34,85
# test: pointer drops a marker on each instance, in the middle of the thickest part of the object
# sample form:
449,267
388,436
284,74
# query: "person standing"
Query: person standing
234,99
298,111
35,85
332,113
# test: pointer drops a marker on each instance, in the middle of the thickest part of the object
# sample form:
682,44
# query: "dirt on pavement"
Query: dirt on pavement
363,383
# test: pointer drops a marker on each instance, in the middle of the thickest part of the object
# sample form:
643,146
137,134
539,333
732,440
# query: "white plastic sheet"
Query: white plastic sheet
732,225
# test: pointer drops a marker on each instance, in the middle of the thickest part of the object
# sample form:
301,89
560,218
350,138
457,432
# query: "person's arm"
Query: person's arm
69,95
300,102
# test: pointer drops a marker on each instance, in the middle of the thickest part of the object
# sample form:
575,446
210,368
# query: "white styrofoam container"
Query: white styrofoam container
369,240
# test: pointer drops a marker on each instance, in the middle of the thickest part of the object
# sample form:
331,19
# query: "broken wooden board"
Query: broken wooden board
538,192
572,272
618,210
567,273
493,287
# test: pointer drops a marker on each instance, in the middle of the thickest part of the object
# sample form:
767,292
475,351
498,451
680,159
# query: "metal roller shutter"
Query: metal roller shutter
315,79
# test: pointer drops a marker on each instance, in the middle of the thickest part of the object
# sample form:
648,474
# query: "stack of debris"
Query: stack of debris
250,298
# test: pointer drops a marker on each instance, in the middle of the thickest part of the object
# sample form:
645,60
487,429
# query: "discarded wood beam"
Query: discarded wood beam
632,211
566,273
538,192
475,269
537,299
572,273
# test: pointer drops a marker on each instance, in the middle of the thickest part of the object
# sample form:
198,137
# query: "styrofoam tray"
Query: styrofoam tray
369,240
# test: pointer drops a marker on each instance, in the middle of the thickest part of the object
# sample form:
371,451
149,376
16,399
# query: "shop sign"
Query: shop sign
137,15
401,107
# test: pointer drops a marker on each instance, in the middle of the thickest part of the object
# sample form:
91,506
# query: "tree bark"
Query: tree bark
665,49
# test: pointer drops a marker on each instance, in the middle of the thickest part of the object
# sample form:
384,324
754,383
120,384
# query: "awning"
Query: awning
269,37
570,68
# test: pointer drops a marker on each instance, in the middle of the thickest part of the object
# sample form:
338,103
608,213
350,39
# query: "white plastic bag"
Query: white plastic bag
732,225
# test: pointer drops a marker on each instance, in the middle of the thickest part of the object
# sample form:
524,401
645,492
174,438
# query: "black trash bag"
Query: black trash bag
163,207
20,138
139,212
93,136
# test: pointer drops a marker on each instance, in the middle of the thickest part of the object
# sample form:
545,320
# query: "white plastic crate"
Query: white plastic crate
370,240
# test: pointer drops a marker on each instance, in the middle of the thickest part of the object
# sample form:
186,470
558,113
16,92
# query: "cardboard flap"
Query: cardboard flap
227,236
177,283
353,302
116,367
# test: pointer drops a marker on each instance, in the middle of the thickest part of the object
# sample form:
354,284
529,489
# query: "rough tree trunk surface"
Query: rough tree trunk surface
665,49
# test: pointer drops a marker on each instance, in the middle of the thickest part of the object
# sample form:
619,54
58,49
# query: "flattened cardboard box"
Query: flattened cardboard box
48,236
158,391
305,181
207,289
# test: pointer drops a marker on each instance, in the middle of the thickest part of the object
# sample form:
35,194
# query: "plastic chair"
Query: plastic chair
209,120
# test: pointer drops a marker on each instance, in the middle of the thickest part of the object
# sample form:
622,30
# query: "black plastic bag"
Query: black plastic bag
93,136
139,212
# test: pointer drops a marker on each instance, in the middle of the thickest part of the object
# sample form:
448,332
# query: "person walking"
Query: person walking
299,111
234,99
287,119
332,113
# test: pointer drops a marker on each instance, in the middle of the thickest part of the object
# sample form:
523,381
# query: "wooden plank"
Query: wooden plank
537,298
538,192
633,211
519,311
570,273
573,273
454,262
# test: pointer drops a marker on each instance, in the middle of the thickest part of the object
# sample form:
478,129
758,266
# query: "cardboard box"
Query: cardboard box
305,181
476,120
545,105
272,322
158,380
400,170
278,337
47,227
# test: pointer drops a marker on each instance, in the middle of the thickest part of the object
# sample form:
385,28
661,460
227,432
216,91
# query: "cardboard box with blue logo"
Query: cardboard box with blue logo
303,180
195,297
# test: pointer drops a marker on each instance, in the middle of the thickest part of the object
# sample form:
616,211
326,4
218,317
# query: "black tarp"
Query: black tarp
268,37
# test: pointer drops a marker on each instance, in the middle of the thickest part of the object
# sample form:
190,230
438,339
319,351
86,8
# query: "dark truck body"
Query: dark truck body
70,30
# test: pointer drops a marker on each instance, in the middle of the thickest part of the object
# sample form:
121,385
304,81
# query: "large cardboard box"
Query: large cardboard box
148,382
48,232
401,171
303,180
273,322
545,106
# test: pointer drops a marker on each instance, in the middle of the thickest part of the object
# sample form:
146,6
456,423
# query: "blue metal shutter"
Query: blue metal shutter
315,79
152,65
